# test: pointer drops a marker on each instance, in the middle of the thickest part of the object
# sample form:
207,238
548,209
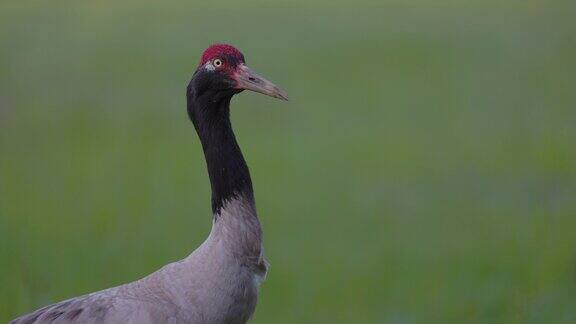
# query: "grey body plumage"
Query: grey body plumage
217,283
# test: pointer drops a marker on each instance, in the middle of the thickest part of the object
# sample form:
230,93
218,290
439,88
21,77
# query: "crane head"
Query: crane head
223,67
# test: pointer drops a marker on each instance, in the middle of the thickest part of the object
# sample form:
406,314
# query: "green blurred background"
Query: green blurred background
424,170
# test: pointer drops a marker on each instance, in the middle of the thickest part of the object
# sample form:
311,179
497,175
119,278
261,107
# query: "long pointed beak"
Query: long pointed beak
249,80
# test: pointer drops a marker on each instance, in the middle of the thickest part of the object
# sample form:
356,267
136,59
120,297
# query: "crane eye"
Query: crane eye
217,62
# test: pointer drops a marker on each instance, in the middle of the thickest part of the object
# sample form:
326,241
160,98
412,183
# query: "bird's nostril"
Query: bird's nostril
252,78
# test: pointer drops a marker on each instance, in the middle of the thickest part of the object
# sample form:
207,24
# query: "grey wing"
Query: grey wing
103,307
68,311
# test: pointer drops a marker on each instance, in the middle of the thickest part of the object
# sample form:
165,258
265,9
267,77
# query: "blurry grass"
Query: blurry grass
424,170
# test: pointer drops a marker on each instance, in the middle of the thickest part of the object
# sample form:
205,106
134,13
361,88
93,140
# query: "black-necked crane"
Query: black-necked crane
219,281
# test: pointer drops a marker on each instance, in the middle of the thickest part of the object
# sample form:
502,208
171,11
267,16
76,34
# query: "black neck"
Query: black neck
228,172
